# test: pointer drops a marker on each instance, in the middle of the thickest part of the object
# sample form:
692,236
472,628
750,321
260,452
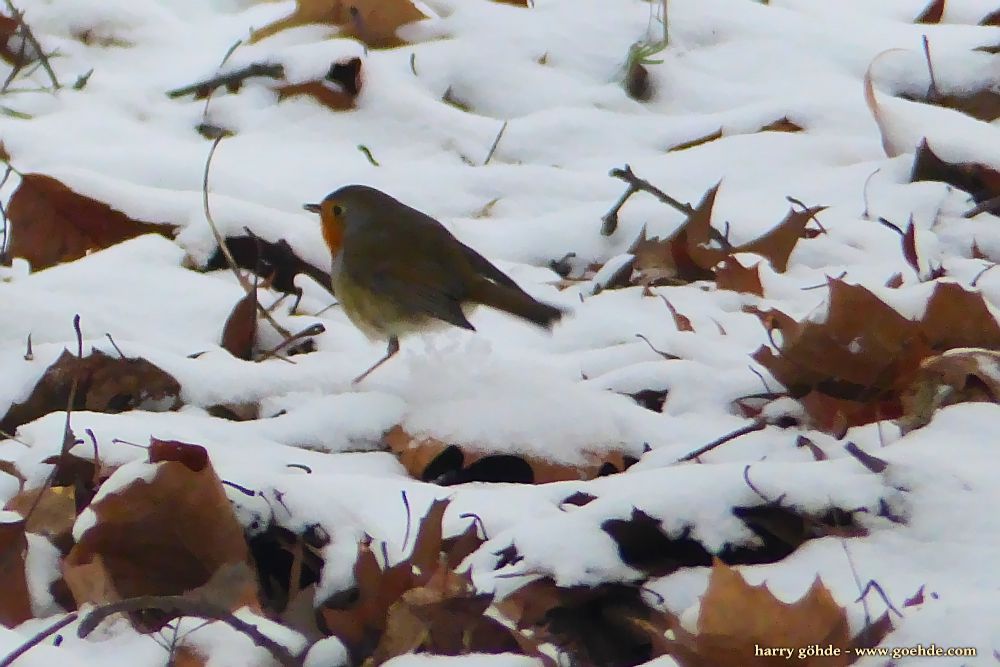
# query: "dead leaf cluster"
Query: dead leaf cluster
855,366
697,251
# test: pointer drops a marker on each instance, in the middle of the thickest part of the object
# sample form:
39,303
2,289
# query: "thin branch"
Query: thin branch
740,432
877,587
230,80
182,606
636,184
409,518
866,214
29,36
987,206
37,639
224,247
311,330
496,142
665,355
933,94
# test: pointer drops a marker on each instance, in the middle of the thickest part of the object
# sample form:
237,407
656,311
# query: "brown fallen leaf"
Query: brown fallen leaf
932,14
239,335
782,125
958,376
695,250
732,275
853,367
161,536
777,244
15,603
430,459
980,181
51,224
105,384
338,90
417,603
54,512
736,619
373,22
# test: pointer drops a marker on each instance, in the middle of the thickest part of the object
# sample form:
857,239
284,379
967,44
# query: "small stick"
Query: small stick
933,94
988,206
224,248
182,606
740,432
38,639
269,70
636,184
496,142
18,16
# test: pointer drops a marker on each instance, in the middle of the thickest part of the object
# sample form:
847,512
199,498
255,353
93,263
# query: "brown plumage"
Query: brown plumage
397,270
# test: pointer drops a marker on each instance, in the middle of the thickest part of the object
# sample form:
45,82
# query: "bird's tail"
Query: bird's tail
516,302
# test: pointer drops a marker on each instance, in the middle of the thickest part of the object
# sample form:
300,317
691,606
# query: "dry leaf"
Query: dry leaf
932,14
164,536
415,603
957,376
430,459
373,22
736,619
239,335
980,181
782,125
852,367
53,515
51,223
338,90
105,384
732,275
15,603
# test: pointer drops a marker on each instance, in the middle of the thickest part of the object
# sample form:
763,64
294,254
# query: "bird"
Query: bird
397,271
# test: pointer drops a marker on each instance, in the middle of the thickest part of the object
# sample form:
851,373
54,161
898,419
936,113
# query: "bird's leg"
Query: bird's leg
389,353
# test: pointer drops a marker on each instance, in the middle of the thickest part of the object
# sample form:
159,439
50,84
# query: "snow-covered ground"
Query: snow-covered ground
552,73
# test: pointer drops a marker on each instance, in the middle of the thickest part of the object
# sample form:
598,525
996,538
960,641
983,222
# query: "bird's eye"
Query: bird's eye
338,209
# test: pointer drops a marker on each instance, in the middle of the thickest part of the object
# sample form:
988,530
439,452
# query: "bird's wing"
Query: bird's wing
485,268
419,289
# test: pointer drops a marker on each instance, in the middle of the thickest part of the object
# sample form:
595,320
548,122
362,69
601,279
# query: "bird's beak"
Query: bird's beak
312,208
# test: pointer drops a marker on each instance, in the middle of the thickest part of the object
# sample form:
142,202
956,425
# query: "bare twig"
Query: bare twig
37,639
867,212
409,519
987,206
933,94
311,330
877,587
224,248
665,355
740,432
496,142
182,606
230,80
29,36
857,582
636,184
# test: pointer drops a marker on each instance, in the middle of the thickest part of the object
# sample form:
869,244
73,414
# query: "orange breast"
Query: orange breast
333,234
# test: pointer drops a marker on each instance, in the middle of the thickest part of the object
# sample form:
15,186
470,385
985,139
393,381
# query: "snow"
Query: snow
552,74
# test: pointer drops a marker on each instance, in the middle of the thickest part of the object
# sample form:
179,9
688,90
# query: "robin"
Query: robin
397,270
